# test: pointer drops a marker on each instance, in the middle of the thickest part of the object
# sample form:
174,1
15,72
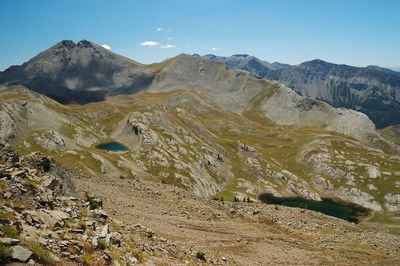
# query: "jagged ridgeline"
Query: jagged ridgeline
372,90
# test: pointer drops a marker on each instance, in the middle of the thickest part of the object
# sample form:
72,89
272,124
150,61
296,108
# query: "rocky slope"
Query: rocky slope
49,216
42,220
371,90
185,138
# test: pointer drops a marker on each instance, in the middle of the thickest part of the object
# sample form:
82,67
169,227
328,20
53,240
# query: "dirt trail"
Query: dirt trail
241,233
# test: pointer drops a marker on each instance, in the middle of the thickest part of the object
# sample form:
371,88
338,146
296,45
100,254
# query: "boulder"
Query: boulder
373,171
50,183
20,253
53,218
102,231
116,238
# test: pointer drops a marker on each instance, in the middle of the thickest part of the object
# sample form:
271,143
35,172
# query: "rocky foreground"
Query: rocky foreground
43,222
52,216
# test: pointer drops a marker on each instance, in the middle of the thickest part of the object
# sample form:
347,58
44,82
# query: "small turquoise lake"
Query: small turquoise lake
113,146
340,209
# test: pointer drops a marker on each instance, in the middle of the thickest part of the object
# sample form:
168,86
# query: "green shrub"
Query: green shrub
5,217
40,254
10,231
102,244
94,202
5,254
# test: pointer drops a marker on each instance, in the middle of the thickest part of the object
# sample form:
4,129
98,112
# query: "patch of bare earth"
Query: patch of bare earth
241,233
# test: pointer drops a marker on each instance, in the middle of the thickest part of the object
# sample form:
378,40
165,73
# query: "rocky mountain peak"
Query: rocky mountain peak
240,55
67,68
71,44
85,44
66,43
316,63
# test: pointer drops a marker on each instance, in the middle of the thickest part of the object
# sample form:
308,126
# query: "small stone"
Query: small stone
102,231
50,183
94,241
116,238
76,231
131,260
18,173
8,241
149,233
201,256
73,249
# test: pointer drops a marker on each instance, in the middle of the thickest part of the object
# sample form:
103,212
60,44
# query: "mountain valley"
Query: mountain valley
204,140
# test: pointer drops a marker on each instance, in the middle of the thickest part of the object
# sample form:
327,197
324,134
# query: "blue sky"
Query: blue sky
355,32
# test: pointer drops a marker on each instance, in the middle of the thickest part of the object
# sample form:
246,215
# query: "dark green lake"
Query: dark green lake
112,146
340,209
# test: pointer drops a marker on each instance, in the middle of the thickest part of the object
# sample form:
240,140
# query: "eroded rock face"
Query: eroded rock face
7,127
361,198
287,108
50,140
138,123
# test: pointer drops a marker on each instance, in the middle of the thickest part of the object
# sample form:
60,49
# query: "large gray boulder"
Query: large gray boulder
20,253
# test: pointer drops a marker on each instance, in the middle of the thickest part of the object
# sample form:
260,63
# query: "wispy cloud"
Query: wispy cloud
159,29
167,46
216,49
106,46
150,43
169,38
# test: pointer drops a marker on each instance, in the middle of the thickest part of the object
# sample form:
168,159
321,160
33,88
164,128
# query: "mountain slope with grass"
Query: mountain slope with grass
205,145
372,90
184,138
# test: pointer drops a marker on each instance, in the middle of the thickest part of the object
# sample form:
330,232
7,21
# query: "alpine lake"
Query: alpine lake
336,208
113,146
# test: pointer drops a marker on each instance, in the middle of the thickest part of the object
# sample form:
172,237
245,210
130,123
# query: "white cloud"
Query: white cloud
168,46
169,38
216,49
106,46
159,29
150,43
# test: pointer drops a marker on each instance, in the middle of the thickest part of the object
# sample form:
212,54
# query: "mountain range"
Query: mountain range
372,90
205,138
85,72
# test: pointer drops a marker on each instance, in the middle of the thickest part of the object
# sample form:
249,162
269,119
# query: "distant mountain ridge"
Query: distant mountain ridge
85,72
372,90
82,72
